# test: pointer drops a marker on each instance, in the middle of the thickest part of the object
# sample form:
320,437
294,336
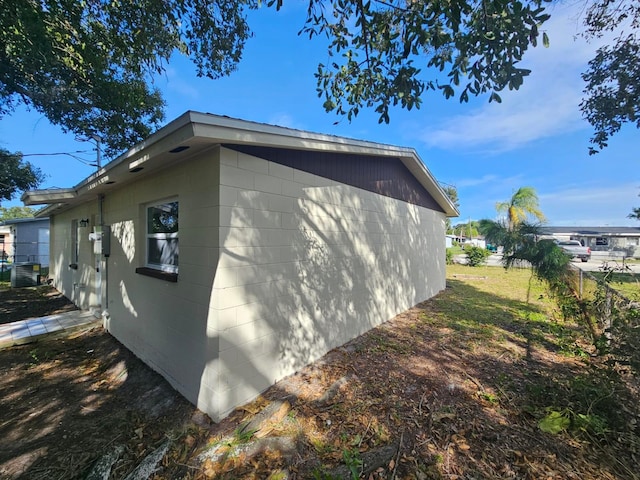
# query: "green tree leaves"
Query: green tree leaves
380,50
11,213
635,213
612,91
16,175
87,65
452,193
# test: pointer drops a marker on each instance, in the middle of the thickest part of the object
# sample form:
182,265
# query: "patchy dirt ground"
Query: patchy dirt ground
67,402
29,302
455,388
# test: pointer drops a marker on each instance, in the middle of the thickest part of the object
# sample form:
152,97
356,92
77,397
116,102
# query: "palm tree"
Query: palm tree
635,213
522,204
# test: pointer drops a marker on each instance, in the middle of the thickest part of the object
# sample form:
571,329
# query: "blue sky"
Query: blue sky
535,137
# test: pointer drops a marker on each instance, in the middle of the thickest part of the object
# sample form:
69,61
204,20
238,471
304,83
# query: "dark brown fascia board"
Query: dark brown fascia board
251,133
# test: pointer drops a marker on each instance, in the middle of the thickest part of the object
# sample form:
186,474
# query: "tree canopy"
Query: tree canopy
16,175
467,229
612,90
10,213
380,49
452,193
87,65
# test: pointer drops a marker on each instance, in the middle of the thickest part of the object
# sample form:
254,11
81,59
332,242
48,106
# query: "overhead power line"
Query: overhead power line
68,154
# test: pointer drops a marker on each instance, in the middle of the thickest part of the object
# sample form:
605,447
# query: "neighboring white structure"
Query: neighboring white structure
228,254
449,240
28,240
603,241
476,242
6,242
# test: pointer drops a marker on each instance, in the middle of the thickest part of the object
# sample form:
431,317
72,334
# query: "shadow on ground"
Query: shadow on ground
452,388
31,302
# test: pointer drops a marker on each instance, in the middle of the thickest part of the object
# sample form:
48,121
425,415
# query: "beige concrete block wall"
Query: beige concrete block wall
277,267
75,284
164,323
305,265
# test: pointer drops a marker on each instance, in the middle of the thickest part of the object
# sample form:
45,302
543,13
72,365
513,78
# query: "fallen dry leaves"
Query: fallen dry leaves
452,388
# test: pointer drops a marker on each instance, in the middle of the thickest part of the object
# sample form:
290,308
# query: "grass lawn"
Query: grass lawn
501,308
456,250
627,284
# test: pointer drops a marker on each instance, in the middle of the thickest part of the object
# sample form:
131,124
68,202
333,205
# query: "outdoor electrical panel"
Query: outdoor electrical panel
96,238
101,238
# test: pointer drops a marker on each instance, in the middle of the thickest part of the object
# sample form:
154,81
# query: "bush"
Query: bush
476,256
449,257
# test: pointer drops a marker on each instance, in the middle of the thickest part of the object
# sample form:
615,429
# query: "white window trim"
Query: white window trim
147,236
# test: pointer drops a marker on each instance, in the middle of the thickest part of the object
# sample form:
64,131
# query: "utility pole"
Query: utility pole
98,153
98,139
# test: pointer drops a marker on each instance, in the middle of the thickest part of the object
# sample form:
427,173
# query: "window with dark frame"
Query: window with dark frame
75,247
162,245
602,241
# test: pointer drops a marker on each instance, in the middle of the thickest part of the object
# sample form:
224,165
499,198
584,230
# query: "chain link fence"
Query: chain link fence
614,318
22,252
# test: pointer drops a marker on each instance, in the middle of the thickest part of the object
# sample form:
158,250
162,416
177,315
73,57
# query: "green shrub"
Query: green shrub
449,257
476,256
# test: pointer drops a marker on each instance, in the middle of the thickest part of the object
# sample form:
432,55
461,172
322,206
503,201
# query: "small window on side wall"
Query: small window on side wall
602,241
162,236
75,245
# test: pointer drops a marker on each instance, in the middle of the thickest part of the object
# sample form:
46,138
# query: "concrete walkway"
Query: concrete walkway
34,329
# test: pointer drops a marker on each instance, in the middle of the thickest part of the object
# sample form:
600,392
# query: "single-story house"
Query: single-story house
29,239
476,242
228,254
449,239
606,241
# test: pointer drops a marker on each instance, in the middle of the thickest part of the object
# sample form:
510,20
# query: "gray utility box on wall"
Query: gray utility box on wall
25,275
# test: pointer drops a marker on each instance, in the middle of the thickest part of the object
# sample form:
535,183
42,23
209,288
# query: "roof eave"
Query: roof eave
417,167
202,130
39,197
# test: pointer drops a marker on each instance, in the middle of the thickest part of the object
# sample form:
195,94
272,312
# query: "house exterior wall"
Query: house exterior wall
621,245
305,265
276,267
165,323
74,283
617,245
31,241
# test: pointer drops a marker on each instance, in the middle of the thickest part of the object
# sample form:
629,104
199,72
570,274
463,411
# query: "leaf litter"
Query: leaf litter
457,387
